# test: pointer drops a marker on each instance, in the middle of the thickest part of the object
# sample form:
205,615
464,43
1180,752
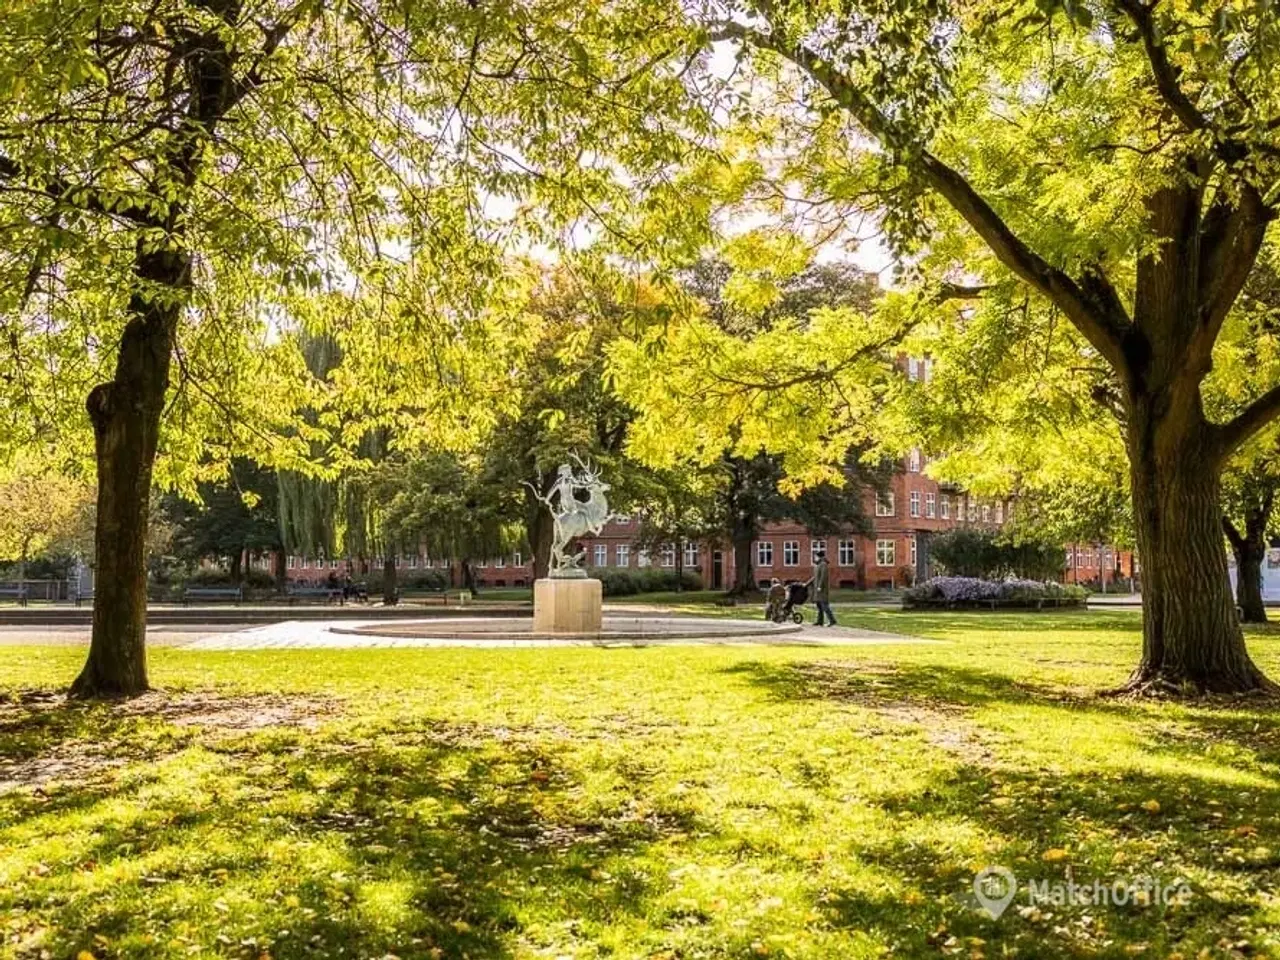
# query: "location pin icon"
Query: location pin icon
995,887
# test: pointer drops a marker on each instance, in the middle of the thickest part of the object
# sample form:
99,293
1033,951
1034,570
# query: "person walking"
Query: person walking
822,590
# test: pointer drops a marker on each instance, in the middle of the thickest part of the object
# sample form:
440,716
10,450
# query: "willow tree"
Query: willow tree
189,171
1119,158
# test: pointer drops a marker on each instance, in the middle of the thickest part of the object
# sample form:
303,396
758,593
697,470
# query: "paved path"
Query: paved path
293,635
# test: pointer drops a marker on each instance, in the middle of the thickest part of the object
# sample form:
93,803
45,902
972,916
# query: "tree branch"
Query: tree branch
68,194
1165,74
1231,235
1253,418
1101,319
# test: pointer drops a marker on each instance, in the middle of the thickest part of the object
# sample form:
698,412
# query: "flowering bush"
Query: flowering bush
962,590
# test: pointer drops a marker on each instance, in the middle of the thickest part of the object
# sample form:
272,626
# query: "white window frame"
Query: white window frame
911,551
413,561
986,513
517,559
622,555
945,507
668,555
690,554
292,563
764,553
886,553
885,504
931,505
500,562
914,460
971,511
602,555
914,505
847,553
791,553
642,558
817,547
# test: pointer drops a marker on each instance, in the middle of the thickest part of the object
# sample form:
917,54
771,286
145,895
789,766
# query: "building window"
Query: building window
946,507
622,519
913,368
884,504
986,513
915,503
817,548
911,546
1008,513
971,510
293,562
913,460
333,564
668,554
690,554
642,558
999,513
886,551
622,555
500,562
791,553
413,561
764,553
1070,559
847,556
930,505
602,555
517,560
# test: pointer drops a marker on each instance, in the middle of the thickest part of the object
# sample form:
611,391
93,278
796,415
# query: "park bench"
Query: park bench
327,594
234,594
423,593
14,592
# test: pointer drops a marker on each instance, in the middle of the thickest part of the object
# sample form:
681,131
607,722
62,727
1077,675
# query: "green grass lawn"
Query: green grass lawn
657,803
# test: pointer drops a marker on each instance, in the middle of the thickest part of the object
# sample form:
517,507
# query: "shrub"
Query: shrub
961,590
966,552
622,582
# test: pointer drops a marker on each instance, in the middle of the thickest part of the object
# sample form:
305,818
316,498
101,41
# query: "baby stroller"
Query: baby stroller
797,596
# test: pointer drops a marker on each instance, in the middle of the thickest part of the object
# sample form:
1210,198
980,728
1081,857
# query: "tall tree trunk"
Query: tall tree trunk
236,571
1250,549
280,570
744,578
469,579
390,597
540,530
125,414
1191,639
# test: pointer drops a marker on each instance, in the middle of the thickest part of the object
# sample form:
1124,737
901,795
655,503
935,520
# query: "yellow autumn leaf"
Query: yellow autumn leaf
1053,855
1151,806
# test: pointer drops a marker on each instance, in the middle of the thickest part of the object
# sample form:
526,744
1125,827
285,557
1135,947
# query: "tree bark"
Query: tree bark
539,527
125,414
1191,638
1250,549
389,595
280,569
469,579
744,579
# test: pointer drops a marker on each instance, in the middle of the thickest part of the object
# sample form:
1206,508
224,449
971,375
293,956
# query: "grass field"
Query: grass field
658,803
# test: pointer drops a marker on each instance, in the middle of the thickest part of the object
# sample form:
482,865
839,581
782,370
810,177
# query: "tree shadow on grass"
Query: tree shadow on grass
1179,805
418,840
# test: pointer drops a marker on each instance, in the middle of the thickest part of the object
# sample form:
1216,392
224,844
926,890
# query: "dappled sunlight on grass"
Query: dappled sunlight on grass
675,802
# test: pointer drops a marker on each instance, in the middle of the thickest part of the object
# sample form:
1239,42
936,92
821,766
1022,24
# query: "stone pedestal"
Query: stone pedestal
567,606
